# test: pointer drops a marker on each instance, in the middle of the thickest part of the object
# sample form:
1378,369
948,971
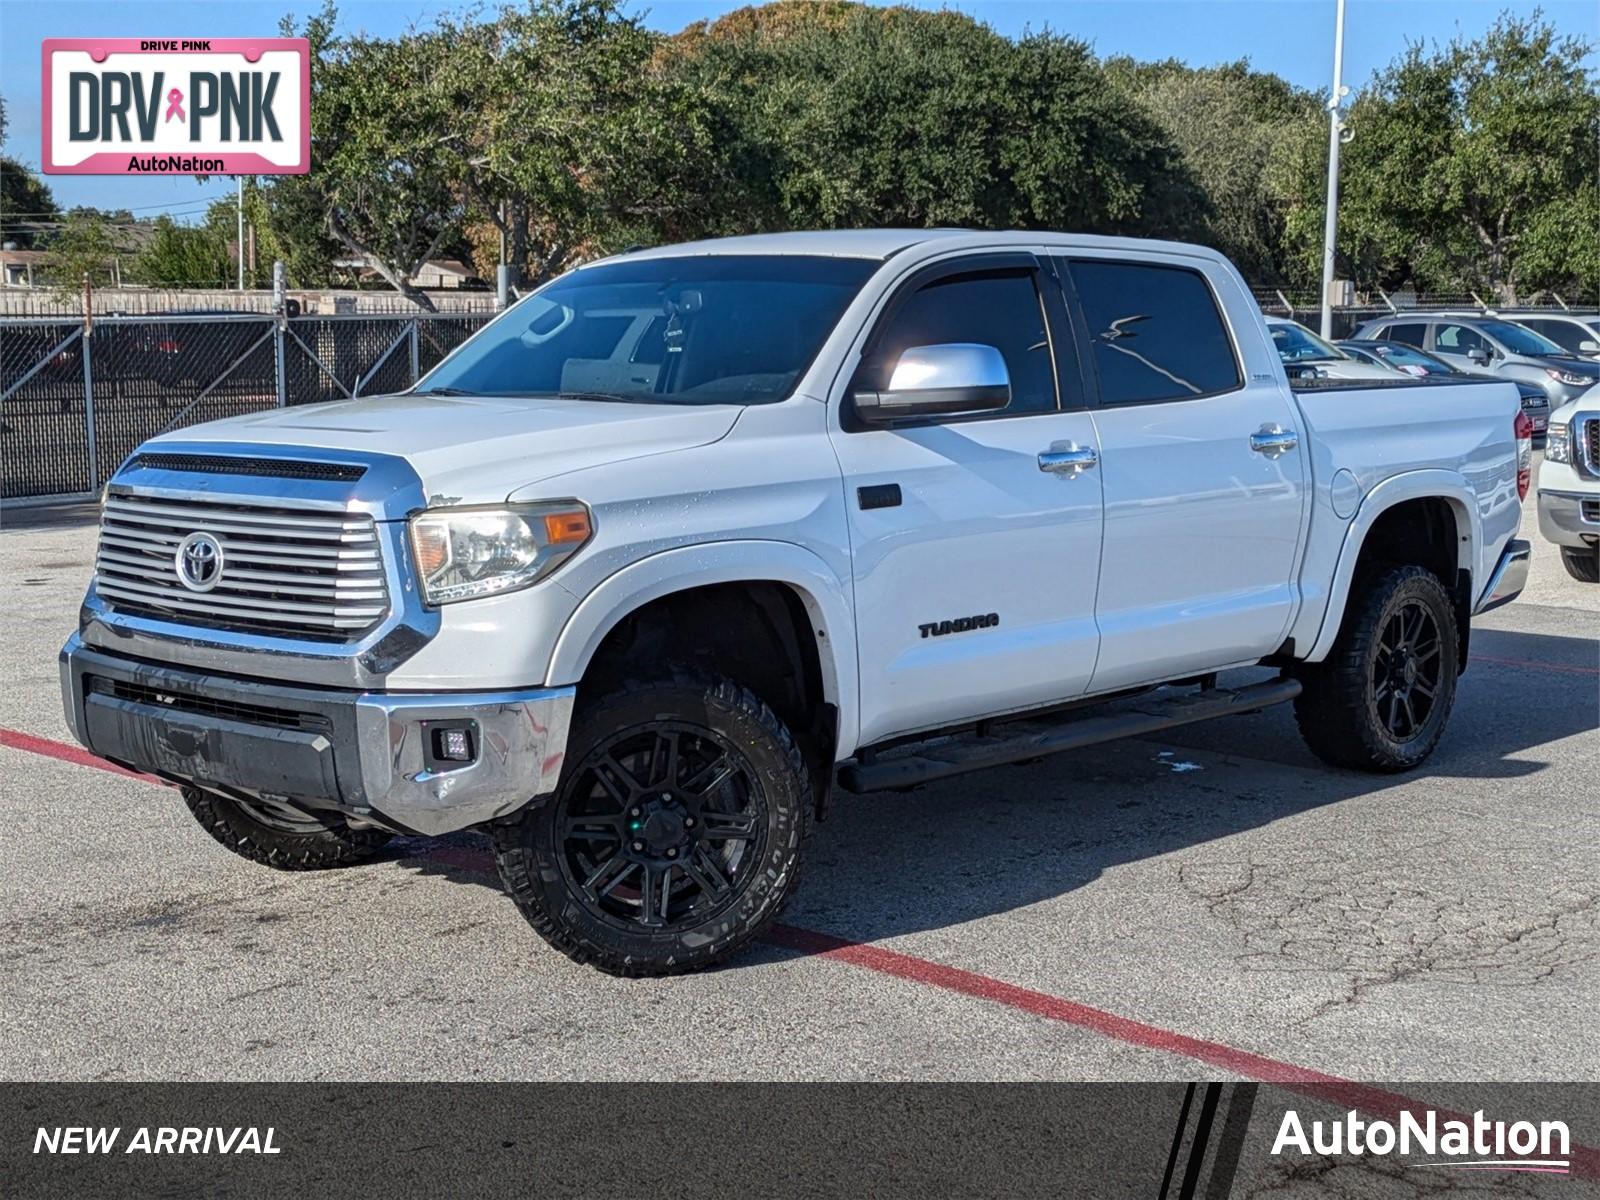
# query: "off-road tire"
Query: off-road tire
1338,712
1582,565
536,864
314,845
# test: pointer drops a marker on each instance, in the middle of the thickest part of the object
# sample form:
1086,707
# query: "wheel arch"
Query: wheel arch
814,600
1397,507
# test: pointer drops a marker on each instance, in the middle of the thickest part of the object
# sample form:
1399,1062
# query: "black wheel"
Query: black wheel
674,838
1582,565
281,837
1381,699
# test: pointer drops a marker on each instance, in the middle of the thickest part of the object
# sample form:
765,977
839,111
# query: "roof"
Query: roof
880,244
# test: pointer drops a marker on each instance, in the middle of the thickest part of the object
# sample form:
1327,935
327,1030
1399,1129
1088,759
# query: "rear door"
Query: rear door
1203,467
976,547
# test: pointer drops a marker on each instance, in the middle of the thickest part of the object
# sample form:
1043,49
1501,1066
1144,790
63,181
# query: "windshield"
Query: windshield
1402,355
1519,339
708,329
1297,344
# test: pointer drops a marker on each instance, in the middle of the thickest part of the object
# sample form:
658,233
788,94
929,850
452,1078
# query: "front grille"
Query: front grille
294,572
206,706
1592,439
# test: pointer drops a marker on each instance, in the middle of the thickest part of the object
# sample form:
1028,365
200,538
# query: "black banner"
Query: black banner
1157,1141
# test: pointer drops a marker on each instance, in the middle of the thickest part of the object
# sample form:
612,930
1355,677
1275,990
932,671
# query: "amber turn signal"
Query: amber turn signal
567,528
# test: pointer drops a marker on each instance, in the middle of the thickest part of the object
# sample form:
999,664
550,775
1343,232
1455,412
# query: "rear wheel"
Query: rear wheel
1583,565
277,836
674,838
1381,699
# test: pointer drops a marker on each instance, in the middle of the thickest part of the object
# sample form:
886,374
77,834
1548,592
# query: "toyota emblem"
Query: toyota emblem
199,562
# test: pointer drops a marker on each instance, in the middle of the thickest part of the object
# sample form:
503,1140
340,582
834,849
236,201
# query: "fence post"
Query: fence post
280,312
415,358
88,387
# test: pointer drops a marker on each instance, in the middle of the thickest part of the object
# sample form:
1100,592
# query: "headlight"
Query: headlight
1570,378
466,552
1556,446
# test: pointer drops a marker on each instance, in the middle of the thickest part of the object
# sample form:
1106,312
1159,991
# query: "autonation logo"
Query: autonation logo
1476,1145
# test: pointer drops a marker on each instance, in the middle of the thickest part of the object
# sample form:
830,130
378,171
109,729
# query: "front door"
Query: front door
976,540
1202,463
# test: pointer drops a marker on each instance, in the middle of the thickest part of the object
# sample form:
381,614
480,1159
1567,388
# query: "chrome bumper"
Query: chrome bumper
1564,518
1509,578
362,754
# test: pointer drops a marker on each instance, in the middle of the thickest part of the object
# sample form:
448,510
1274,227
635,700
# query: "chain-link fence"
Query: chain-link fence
74,402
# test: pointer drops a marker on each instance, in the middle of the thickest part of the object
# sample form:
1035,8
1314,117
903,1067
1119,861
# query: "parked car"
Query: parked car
1576,333
1493,345
690,532
1569,487
1306,356
1424,365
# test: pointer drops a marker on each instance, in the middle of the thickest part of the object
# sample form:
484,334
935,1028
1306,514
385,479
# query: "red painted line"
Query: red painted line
76,755
1530,664
1375,1102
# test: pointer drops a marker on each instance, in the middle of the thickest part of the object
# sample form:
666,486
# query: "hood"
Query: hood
478,449
1349,369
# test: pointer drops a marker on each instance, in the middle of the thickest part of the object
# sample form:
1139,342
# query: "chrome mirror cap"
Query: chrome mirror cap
952,379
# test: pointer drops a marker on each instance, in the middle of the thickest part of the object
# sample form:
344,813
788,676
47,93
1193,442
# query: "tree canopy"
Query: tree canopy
566,129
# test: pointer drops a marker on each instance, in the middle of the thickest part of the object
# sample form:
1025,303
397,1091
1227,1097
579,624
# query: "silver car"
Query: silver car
1492,345
1576,333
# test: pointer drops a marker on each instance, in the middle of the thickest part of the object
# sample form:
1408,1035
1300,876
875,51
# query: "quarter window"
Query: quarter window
992,308
1156,332
1413,334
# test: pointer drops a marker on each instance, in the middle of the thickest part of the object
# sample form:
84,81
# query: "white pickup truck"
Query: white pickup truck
634,575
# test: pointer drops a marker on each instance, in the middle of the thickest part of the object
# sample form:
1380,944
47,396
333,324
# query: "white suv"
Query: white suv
1569,486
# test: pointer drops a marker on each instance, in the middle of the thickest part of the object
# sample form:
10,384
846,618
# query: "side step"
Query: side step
1023,739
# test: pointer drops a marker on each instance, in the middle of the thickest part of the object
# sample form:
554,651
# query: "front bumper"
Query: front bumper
361,754
1569,518
1510,576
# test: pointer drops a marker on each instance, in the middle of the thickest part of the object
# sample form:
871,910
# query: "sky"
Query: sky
1293,38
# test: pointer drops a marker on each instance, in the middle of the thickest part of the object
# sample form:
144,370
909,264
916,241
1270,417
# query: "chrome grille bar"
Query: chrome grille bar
298,571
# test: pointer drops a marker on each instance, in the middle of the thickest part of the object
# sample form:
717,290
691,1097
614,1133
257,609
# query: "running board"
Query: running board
1023,739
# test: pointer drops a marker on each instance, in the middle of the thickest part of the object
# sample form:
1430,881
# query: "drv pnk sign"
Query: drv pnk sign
206,106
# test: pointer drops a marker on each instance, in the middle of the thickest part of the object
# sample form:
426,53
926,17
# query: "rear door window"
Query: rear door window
1156,332
1412,334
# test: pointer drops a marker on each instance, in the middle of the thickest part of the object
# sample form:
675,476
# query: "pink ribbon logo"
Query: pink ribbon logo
175,105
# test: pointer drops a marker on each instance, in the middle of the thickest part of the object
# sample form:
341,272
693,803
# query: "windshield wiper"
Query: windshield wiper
614,397
442,391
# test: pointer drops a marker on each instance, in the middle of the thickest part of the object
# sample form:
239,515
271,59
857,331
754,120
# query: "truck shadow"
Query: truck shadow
998,841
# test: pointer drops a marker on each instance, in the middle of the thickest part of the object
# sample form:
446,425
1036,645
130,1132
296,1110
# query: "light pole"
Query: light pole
240,179
1335,137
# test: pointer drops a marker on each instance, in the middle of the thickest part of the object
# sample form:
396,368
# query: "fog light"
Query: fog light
449,746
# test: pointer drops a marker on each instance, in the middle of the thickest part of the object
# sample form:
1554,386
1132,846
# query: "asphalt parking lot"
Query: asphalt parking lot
1216,904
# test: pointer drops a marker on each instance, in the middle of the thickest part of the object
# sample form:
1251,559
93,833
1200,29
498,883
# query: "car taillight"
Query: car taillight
1523,429
168,347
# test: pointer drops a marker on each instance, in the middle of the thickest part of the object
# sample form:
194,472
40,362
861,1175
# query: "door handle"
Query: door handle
1071,461
1274,440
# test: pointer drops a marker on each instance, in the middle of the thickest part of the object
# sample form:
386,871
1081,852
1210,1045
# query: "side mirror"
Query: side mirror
948,380
1588,346
1481,357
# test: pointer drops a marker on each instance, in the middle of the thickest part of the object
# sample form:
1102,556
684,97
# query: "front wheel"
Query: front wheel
1380,700
277,836
675,835
1582,565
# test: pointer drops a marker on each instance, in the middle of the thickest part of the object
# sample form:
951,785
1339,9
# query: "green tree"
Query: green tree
845,115
1471,166
26,205
578,142
178,255
84,245
1237,130
381,189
